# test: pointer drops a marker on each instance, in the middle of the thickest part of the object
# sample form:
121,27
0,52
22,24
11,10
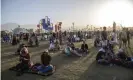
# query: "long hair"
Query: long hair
45,59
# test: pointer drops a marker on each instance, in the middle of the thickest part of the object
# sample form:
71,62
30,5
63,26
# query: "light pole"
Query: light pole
73,26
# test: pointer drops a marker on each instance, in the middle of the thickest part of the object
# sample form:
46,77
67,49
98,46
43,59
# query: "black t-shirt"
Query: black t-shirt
128,33
122,56
99,55
104,35
84,47
65,33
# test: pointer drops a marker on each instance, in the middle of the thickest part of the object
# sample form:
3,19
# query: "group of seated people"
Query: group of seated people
45,66
71,50
54,45
26,63
74,38
106,57
34,42
97,42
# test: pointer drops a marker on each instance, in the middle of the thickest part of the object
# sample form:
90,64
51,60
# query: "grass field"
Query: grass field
67,68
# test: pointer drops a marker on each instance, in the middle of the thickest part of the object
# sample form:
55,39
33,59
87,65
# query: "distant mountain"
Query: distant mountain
11,26
29,26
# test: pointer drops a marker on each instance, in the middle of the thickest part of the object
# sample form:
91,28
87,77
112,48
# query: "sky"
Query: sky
81,12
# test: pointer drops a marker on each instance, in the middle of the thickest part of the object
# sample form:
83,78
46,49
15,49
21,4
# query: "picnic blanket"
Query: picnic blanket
34,72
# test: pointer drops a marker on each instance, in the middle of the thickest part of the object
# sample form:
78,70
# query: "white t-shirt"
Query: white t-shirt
101,50
51,46
74,36
114,36
103,43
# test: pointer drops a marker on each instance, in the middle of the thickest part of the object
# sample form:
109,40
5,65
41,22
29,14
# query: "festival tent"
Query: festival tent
19,30
4,32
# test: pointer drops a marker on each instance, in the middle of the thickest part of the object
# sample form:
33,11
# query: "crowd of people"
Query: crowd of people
15,39
106,54
26,63
121,38
105,41
45,66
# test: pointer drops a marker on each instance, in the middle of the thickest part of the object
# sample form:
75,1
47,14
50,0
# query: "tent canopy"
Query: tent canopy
19,30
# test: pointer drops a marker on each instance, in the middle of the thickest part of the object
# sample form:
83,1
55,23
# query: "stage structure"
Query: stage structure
45,24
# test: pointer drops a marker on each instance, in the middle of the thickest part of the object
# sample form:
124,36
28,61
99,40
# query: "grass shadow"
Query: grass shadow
57,60
100,72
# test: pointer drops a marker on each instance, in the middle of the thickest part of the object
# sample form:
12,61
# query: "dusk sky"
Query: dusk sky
81,12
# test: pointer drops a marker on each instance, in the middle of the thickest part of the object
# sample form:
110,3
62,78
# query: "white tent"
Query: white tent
19,30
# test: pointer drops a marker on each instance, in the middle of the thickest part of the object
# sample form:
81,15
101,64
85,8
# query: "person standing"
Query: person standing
98,34
104,35
36,41
114,37
124,37
128,37
14,40
60,37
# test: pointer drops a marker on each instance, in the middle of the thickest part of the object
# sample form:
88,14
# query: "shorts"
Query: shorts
124,40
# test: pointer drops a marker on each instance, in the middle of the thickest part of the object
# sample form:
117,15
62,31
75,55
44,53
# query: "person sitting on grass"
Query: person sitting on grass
84,47
107,58
101,54
67,49
36,41
97,42
25,62
45,65
125,60
52,46
71,50
122,55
